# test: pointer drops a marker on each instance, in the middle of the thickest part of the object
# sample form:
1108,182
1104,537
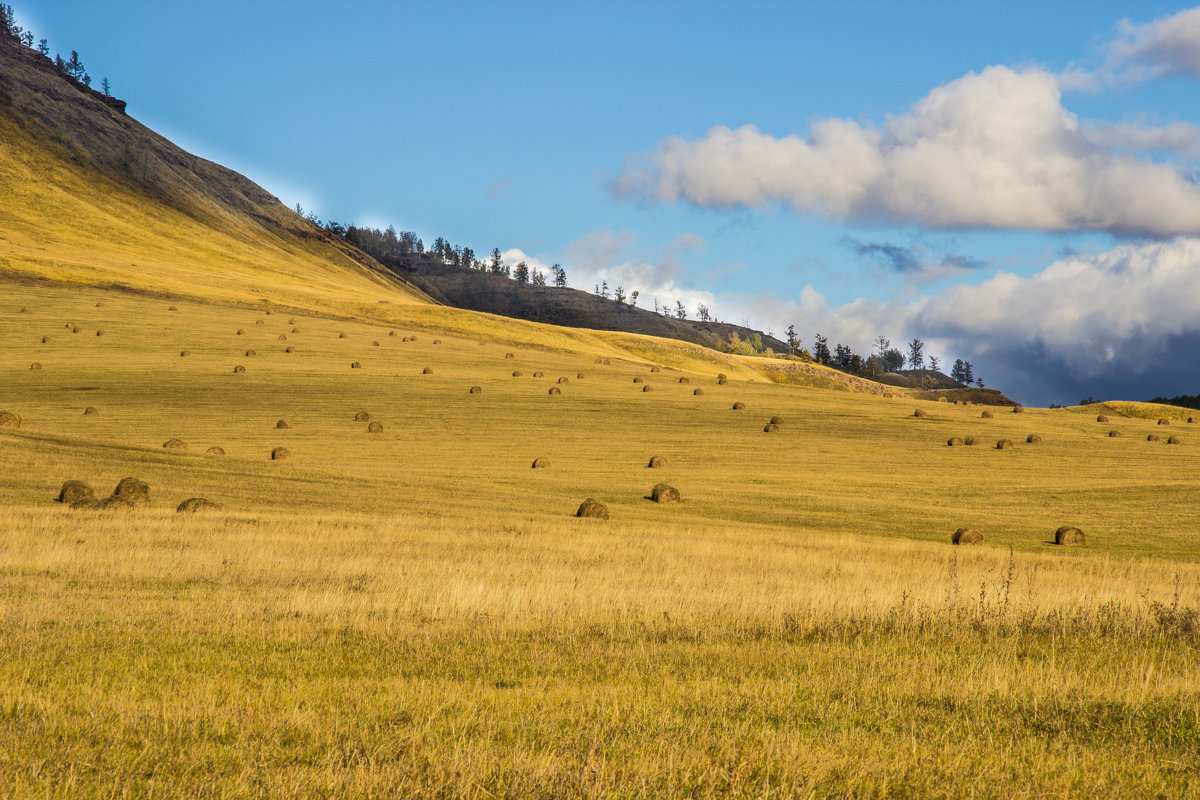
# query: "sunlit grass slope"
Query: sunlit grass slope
417,613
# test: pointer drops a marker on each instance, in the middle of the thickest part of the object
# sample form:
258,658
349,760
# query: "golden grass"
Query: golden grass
416,613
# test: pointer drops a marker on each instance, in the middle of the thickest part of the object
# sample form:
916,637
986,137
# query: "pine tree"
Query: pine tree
793,341
521,272
820,351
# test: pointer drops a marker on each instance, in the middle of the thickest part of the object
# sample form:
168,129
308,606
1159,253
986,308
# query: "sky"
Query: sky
1014,183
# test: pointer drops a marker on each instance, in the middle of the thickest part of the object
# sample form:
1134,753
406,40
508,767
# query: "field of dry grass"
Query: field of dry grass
417,613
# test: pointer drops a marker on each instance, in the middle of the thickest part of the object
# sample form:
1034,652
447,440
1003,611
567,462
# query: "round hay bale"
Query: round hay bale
405,339
427,371
282,337
541,462
739,406
942,400
770,427
509,355
172,308
184,353
1114,434
920,412
175,446
70,326
241,332
1004,444
414,338
539,374
86,503
647,388
239,368
518,374
1174,440
362,416
1191,420
283,425
563,380
592,508
954,441
100,333
10,419
267,312
776,420
685,380
657,462
437,341
36,365
355,365
656,369
23,310
970,441
555,390
1101,418
375,427
194,505
295,330
986,415
664,493
259,322
1018,409
1033,438
375,344
215,451
292,321
638,380
45,340
251,353
1069,537
966,536
475,390
1164,422
721,376
391,333
341,336
280,454
289,349
132,491
74,490
698,392
90,411
579,377
1154,437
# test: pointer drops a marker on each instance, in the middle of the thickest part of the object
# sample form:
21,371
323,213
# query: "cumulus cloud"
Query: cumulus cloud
995,149
1179,138
1166,46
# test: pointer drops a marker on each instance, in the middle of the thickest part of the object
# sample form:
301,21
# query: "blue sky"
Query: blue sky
1013,182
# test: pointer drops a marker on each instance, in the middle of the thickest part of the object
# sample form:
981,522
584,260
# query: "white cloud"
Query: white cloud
995,149
1177,137
1166,46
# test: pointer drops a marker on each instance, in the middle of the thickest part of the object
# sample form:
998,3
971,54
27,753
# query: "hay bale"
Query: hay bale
74,490
251,353
283,425
175,446
23,310
355,365
942,400
427,371
184,353
539,374
1154,437
362,416
239,368
391,333
684,380
592,508
70,326
282,337
10,419
241,332
1174,440
1101,418
658,461
215,451
638,380
970,441
555,390
920,412
518,374
656,369
541,462
664,493
45,340
954,441
1004,444
100,333
437,341
579,377
563,380
966,536
1018,410
1069,537
722,381
375,344
1164,422
1033,438
194,505
647,388
405,339
90,411
35,365
172,308
1114,434
280,454
259,322
414,338
375,427
132,491
721,376
739,406
986,415
509,355
698,392
475,390
341,336
776,420
295,330
289,349
1191,420
770,427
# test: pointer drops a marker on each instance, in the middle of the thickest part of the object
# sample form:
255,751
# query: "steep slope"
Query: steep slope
88,194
